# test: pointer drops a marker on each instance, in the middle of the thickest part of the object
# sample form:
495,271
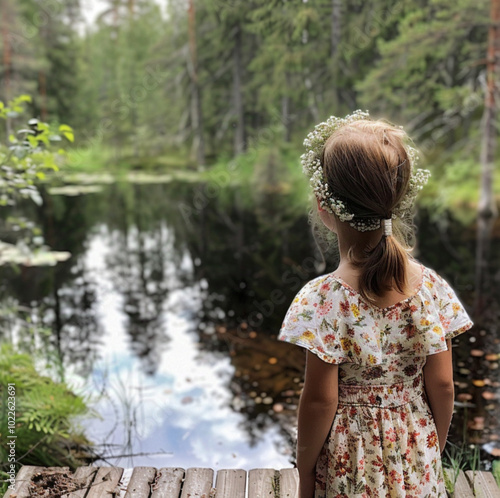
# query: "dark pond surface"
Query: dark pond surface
168,310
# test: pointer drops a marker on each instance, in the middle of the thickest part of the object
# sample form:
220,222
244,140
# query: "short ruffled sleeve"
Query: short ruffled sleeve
452,315
300,324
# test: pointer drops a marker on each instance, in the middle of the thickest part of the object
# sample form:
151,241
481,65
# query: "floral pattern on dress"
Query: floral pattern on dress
383,441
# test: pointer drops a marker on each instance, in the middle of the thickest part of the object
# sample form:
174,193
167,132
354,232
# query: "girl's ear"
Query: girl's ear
319,205
328,219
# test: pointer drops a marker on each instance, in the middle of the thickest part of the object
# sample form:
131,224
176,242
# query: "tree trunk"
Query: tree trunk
487,210
311,98
335,33
6,59
239,134
42,88
336,20
285,117
196,109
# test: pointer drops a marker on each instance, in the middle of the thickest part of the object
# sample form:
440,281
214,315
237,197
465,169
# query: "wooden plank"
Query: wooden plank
198,483
289,483
44,478
23,479
84,477
230,483
167,483
483,484
140,482
262,483
106,482
462,487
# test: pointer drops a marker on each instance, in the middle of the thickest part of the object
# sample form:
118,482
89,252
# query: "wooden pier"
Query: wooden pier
171,482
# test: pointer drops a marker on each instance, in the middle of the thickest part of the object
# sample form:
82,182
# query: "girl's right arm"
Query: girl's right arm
317,408
438,381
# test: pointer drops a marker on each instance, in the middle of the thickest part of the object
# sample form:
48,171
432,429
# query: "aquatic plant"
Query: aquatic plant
457,458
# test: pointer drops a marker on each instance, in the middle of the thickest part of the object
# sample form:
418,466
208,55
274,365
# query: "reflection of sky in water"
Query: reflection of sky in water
182,411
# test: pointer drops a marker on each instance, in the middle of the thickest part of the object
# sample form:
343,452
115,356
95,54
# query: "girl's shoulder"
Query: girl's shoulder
436,279
438,287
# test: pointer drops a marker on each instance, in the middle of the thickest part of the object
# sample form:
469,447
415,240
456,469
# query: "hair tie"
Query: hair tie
387,224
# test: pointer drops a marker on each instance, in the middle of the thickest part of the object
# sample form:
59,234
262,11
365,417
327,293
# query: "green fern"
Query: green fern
45,413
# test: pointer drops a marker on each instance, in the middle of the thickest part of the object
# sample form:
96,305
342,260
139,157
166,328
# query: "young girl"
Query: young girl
378,393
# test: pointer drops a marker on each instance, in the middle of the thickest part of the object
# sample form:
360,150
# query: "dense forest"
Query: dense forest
202,80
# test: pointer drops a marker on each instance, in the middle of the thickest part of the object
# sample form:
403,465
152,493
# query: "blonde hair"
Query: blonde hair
367,166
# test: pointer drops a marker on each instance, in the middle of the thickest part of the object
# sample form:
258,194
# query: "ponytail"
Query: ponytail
368,168
383,268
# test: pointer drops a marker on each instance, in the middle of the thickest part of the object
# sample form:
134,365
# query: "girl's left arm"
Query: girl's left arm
317,408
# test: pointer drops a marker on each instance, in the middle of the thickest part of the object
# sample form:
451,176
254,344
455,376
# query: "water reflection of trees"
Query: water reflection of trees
254,253
145,265
248,252
61,298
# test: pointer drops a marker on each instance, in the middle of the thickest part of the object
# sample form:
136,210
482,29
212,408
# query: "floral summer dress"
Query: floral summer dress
383,440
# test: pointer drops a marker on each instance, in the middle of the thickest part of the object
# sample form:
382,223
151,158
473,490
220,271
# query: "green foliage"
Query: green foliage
101,158
427,71
90,159
29,155
496,471
27,158
266,168
46,413
14,107
67,132
277,66
122,80
43,45
459,457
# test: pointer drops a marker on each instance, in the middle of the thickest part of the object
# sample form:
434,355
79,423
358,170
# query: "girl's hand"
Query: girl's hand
439,388
307,485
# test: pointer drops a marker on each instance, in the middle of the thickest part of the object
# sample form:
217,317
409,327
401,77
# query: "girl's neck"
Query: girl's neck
355,243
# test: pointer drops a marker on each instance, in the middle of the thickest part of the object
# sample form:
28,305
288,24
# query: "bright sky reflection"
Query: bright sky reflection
181,412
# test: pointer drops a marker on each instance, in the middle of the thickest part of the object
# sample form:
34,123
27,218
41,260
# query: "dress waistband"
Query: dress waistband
382,396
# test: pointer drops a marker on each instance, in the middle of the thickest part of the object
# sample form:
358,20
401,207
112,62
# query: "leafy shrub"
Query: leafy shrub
45,416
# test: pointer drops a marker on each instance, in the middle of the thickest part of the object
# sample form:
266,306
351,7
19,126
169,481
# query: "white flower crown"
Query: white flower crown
311,165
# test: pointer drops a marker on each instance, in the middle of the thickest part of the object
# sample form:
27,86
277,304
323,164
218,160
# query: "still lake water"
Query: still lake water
168,309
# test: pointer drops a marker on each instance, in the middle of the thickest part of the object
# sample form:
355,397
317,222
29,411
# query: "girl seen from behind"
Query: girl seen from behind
378,392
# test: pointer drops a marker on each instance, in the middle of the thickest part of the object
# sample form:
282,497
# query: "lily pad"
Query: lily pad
12,254
145,177
187,175
141,177
88,178
72,190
